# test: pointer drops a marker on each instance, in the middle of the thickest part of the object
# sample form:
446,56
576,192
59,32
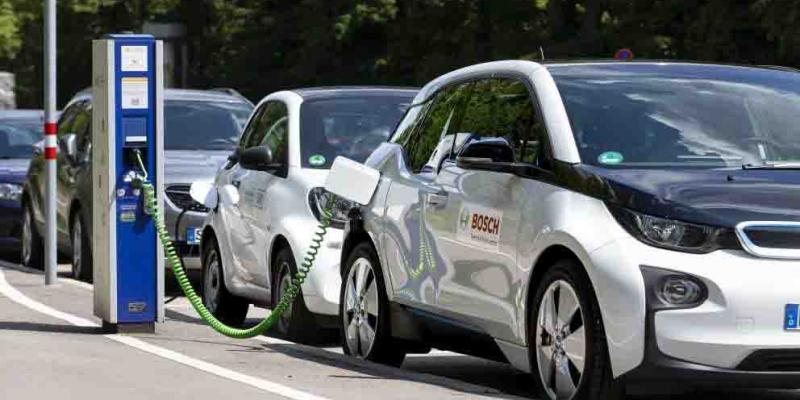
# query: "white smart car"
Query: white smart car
601,225
269,199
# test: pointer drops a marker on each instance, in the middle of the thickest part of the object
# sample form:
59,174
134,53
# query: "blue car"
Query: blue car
20,136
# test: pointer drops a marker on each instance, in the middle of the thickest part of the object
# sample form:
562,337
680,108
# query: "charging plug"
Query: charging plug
352,180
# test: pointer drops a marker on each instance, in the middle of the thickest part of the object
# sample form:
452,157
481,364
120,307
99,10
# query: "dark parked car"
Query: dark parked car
20,130
201,129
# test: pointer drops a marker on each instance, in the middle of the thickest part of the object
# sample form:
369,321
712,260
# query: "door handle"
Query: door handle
436,200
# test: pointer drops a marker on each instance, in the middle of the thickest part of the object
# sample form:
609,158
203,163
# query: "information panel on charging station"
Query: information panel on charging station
127,126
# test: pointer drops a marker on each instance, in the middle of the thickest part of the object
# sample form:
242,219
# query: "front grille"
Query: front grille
779,237
772,361
180,197
770,239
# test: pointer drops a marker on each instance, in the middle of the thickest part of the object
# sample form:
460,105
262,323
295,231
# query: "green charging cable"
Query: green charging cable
151,206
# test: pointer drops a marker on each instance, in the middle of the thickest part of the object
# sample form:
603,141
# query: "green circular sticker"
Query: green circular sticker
610,158
316,160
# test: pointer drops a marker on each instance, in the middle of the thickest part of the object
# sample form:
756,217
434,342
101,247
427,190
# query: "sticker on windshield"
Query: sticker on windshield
610,158
316,160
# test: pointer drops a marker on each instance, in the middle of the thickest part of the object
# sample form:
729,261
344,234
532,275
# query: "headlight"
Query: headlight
10,191
318,197
674,235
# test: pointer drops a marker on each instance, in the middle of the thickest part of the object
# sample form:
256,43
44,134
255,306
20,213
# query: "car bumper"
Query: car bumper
322,286
178,226
10,225
735,338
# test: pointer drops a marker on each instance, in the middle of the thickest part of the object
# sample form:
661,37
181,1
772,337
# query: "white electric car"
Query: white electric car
601,225
269,199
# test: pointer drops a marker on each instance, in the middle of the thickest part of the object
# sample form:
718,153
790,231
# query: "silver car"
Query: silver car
201,129
601,225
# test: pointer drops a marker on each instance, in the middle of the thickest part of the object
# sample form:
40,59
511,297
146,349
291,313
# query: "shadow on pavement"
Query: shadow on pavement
37,327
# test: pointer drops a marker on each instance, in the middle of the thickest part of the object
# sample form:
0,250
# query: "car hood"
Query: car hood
714,197
14,170
187,166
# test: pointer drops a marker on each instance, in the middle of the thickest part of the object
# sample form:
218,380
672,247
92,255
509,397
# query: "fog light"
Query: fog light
679,291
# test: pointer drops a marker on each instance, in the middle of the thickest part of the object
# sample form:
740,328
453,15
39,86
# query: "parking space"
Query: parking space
53,347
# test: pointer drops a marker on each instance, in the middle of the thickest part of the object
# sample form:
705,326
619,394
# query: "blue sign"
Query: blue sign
792,316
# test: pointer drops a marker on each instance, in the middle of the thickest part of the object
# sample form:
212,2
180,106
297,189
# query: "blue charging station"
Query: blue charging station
128,124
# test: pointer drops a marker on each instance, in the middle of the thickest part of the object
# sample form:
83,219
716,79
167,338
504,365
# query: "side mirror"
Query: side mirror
493,154
38,148
68,144
204,193
258,159
233,158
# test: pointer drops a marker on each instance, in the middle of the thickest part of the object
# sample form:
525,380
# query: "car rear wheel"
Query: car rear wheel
81,258
296,323
226,307
364,310
32,246
568,345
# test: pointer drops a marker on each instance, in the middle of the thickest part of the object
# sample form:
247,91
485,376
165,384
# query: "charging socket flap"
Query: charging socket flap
352,180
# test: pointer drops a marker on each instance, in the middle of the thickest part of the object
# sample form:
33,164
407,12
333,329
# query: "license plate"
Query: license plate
791,321
193,236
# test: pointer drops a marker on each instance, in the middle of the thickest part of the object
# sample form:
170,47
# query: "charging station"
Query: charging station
127,126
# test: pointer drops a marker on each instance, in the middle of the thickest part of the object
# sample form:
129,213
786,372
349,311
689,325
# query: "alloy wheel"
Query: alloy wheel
283,285
560,341
27,238
361,308
212,284
77,260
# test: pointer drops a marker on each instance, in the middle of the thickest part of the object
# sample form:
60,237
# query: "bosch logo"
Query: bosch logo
485,224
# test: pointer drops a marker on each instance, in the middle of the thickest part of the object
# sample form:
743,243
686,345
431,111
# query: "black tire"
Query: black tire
384,348
81,256
297,323
596,382
32,244
226,307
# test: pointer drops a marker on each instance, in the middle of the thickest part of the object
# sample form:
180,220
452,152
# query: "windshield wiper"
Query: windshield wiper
773,165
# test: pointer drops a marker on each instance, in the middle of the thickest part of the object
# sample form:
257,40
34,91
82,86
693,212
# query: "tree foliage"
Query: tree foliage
258,46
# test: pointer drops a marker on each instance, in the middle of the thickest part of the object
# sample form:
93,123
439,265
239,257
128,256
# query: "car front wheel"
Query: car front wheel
568,345
81,258
32,246
364,310
297,323
226,307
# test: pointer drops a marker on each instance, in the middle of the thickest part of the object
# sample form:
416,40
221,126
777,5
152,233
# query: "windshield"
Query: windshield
18,136
351,126
662,115
203,125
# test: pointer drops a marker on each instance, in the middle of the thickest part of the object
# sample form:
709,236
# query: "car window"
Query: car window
269,127
425,141
203,124
84,139
17,137
350,126
502,108
68,118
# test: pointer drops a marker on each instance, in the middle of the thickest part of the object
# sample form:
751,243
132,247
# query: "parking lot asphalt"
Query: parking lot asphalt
51,346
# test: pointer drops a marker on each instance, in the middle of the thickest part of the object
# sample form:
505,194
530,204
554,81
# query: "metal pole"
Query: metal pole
51,266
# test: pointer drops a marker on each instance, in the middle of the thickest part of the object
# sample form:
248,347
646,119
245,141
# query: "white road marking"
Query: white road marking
185,308
16,296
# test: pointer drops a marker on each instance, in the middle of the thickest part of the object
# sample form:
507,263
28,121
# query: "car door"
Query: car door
255,188
477,219
70,164
413,261
37,170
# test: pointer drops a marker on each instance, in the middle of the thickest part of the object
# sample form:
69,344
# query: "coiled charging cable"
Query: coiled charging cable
151,206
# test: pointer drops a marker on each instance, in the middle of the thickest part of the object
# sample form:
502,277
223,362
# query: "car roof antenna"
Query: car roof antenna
541,52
